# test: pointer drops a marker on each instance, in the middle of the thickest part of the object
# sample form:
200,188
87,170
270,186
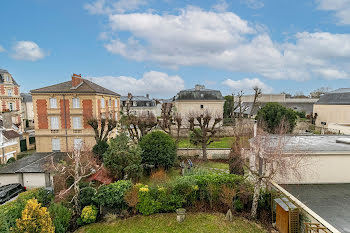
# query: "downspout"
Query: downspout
65,121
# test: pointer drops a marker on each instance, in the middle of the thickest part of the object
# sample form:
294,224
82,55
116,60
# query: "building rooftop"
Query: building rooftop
35,163
66,87
135,98
10,134
199,93
340,96
330,201
313,143
2,78
26,97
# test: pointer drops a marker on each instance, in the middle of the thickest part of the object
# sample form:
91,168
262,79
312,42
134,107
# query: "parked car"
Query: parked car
9,191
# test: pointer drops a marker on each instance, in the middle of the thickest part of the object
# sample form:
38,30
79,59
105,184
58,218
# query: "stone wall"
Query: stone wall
213,153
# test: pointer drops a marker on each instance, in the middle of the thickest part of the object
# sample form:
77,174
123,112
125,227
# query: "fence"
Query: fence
310,221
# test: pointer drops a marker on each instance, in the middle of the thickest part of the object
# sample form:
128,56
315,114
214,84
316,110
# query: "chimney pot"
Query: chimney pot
147,96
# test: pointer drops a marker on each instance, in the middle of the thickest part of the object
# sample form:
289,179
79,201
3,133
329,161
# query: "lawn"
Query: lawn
224,142
212,164
194,222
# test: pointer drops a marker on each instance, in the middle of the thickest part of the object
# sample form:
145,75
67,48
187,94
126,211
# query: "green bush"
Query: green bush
11,211
112,195
89,214
159,150
272,114
238,205
123,158
60,216
86,196
148,203
11,160
99,149
301,114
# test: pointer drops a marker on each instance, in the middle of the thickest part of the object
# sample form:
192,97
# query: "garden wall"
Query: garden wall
213,153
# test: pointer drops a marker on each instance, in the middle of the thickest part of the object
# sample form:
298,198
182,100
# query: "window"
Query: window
202,106
116,116
53,103
7,78
102,103
54,122
56,145
10,106
116,103
76,103
76,123
78,143
9,92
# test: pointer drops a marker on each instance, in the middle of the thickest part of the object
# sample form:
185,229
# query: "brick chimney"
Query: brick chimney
76,80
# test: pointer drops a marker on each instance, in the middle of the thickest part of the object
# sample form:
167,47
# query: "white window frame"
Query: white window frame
54,122
77,122
56,144
9,92
53,103
102,103
7,78
78,143
11,106
76,102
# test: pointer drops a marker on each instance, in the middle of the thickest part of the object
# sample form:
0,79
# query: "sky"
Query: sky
162,47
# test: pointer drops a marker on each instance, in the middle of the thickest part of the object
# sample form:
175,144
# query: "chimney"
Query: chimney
76,80
129,96
147,96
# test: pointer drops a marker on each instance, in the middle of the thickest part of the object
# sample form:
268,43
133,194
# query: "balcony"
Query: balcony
55,130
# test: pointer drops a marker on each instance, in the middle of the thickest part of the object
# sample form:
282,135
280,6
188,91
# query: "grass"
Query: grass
212,164
194,222
224,142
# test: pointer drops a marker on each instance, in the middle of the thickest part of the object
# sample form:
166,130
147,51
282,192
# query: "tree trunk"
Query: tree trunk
255,198
204,149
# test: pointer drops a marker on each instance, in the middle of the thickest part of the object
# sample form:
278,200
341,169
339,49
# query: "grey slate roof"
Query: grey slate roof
35,163
26,97
199,94
330,201
2,72
135,98
66,87
10,134
340,96
312,143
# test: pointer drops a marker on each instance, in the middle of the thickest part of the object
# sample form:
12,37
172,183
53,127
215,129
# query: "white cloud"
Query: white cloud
254,4
2,49
341,9
223,40
157,84
109,7
247,85
27,50
220,6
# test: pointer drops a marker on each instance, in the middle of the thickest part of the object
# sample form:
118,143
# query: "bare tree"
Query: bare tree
257,95
204,126
77,165
102,130
268,158
169,119
242,107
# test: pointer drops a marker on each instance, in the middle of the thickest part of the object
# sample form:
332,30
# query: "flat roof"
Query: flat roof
313,143
330,201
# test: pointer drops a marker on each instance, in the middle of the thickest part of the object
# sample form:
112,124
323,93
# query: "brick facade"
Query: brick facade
43,122
16,90
64,109
87,112
2,90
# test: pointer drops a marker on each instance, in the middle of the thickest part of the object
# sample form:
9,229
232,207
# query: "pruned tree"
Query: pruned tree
320,91
268,158
257,95
241,106
169,119
102,130
203,125
76,165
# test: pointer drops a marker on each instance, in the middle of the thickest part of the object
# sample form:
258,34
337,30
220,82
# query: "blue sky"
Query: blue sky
161,47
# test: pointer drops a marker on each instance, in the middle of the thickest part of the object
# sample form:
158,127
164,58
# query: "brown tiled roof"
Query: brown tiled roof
10,134
66,87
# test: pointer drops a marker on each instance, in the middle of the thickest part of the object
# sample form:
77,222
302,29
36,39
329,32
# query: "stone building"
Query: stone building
199,99
27,110
10,96
139,105
62,111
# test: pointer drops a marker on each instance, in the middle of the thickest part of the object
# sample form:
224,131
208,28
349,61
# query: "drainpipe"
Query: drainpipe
65,121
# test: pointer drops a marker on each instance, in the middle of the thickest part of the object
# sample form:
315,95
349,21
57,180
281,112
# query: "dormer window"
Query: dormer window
7,78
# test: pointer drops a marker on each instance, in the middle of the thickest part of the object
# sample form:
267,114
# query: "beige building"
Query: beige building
9,144
62,111
27,111
199,99
10,96
333,110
